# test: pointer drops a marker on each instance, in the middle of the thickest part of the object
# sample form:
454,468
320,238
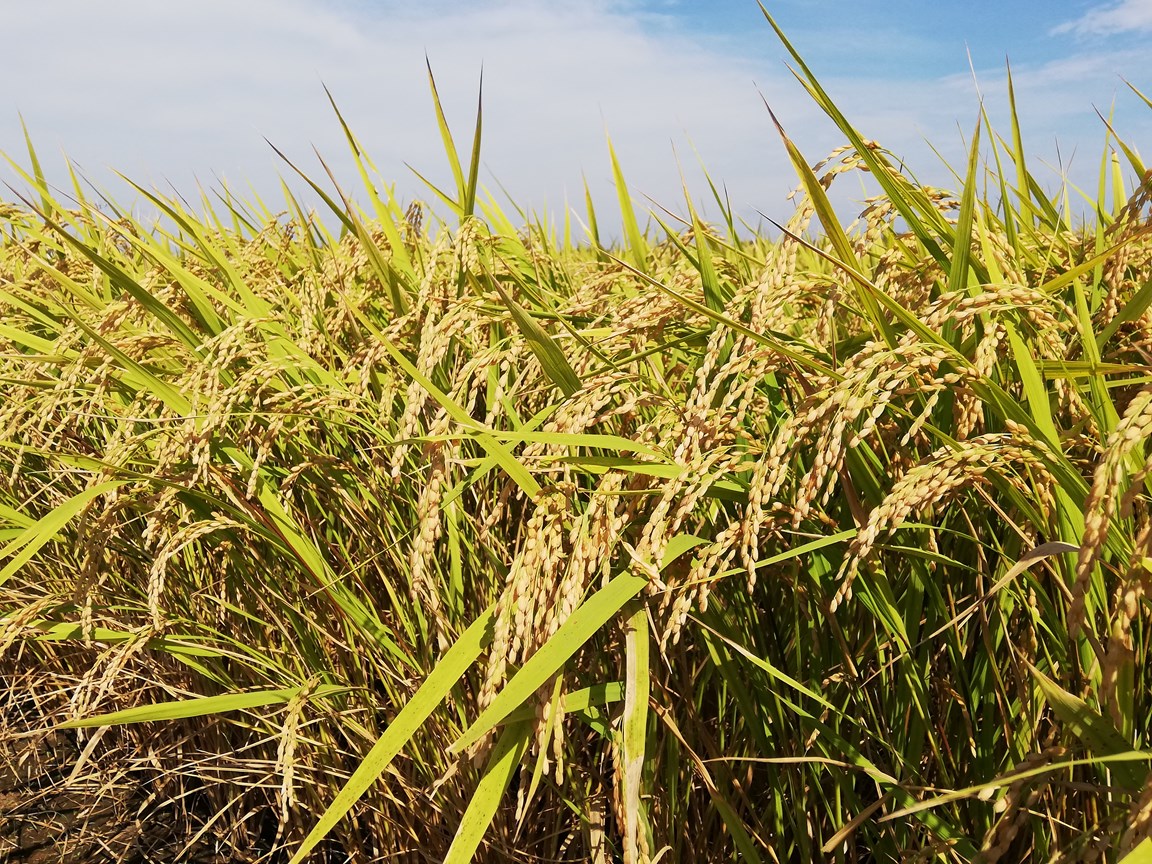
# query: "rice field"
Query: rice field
410,532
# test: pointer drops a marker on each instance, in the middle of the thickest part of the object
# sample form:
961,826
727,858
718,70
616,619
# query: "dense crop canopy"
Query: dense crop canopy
447,539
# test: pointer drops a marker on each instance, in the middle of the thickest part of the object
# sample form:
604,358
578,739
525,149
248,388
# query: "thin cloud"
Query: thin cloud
177,93
1127,16
166,93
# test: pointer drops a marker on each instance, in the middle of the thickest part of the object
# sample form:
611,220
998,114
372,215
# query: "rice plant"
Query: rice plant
415,533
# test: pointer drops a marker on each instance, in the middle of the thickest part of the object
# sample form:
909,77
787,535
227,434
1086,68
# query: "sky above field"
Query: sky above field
185,93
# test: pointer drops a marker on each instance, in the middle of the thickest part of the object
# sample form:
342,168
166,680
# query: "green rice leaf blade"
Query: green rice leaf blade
45,529
1132,311
588,618
446,136
551,357
637,245
635,734
400,731
199,707
502,764
384,214
469,199
1142,854
501,454
38,172
962,244
680,544
1093,729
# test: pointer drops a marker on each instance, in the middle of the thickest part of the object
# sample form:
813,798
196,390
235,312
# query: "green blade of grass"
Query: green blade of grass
773,671
502,764
45,529
636,244
200,707
385,272
384,213
1142,854
1035,391
469,199
590,210
1093,729
833,229
922,217
400,731
552,359
287,528
219,258
1133,310
713,294
124,281
1073,273
1023,179
588,618
962,243
634,737
137,376
678,545
498,452
37,172
446,137
575,702
802,359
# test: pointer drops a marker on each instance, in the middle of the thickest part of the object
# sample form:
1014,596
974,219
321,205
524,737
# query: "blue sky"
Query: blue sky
180,93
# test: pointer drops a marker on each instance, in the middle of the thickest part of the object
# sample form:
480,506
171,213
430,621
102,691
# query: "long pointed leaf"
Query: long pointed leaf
431,693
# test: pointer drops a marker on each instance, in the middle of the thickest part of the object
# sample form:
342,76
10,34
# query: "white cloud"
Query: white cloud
165,91
176,91
1127,16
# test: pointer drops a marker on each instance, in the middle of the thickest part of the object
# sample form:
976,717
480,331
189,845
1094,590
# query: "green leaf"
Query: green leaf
593,228
616,443
833,229
804,360
962,244
287,528
436,686
37,172
44,530
501,454
589,617
635,733
1035,391
219,258
575,702
1071,275
1142,854
552,359
709,279
776,673
199,707
680,544
1132,311
1022,176
446,137
384,213
637,245
469,200
124,281
1094,730
913,203
502,765
385,271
